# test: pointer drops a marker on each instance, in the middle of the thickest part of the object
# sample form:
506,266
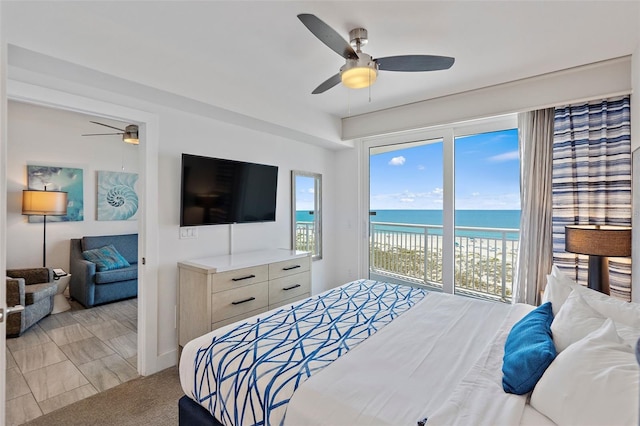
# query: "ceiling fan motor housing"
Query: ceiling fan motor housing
358,37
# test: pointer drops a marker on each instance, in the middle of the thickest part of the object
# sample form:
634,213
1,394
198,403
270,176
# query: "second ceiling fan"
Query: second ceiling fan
360,69
129,133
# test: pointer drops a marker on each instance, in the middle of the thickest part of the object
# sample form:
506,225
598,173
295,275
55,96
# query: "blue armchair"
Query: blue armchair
91,287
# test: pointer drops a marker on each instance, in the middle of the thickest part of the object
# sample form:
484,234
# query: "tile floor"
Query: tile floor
70,356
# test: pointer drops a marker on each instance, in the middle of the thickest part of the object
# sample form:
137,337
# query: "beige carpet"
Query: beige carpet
151,400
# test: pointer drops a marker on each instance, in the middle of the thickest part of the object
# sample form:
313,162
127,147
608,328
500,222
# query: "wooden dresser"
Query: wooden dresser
216,291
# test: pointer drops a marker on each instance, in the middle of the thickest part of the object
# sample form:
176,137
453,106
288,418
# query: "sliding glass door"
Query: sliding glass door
487,213
405,217
444,209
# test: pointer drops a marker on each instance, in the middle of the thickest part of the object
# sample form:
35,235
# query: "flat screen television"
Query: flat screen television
216,191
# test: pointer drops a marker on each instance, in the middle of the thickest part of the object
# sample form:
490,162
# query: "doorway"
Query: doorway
75,351
147,359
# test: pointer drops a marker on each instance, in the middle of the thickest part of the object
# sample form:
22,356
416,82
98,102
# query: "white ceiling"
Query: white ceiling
256,58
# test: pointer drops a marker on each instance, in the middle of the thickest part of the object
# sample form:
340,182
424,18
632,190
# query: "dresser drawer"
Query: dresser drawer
288,287
237,318
289,267
292,300
239,277
239,301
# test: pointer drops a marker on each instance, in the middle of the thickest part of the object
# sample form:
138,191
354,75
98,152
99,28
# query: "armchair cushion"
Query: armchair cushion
106,258
36,292
122,274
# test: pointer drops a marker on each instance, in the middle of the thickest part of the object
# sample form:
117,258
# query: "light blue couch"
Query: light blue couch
90,287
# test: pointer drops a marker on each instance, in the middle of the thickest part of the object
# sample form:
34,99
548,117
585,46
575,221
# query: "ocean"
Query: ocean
465,218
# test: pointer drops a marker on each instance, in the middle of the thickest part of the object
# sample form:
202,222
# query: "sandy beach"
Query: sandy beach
480,262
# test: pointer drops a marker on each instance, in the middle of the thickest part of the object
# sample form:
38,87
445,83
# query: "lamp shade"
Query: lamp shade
45,203
598,240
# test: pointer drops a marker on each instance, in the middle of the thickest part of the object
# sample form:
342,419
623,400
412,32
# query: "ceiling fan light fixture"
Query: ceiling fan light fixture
359,73
130,134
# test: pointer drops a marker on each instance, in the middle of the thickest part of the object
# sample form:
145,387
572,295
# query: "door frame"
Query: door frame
148,361
3,217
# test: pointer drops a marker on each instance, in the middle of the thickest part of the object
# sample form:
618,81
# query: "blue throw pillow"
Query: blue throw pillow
106,258
528,351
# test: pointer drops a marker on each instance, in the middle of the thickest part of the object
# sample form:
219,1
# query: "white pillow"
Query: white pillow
575,320
593,382
558,288
627,313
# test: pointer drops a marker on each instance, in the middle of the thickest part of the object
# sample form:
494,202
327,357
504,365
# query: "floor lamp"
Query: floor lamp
599,242
44,203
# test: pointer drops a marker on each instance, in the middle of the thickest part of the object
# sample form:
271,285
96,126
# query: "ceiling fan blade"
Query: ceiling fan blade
106,125
101,134
328,84
414,63
328,35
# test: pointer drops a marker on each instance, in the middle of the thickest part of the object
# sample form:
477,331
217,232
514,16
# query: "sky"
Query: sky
487,175
305,194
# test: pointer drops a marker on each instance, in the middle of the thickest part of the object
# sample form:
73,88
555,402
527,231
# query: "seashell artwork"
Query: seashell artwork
117,198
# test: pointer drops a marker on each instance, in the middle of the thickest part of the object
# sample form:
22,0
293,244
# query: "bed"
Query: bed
370,352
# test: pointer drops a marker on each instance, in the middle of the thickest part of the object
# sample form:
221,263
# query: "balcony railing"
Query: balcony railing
485,258
304,236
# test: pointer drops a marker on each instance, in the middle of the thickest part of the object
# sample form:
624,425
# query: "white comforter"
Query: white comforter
418,367
440,360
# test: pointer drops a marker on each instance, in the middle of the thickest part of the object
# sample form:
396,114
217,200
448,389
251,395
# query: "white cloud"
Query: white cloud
420,167
311,190
407,200
397,161
475,194
437,191
506,156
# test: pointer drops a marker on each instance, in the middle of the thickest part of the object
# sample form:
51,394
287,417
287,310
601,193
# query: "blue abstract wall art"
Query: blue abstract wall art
117,198
66,179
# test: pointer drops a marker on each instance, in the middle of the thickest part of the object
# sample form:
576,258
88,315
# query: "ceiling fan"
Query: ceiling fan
360,69
129,133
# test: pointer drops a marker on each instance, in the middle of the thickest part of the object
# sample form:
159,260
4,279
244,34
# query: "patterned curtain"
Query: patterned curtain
592,181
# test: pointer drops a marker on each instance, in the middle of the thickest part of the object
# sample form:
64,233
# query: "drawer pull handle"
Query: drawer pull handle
292,287
243,278
243,301
288,268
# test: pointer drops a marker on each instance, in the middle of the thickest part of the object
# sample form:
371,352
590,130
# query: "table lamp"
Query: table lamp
599,242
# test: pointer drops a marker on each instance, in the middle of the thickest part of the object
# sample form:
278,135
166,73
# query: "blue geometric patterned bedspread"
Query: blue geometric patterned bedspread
247,375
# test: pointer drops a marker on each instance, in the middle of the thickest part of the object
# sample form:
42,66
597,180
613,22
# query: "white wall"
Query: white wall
50,137
181,132
349,226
